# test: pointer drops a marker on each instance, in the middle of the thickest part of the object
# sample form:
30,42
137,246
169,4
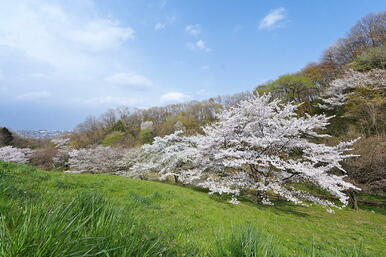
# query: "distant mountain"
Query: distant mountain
41,133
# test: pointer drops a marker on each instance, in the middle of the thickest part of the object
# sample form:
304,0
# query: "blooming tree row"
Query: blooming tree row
96,160
14,154
338,91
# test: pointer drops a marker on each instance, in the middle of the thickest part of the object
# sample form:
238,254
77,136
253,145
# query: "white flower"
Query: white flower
13,154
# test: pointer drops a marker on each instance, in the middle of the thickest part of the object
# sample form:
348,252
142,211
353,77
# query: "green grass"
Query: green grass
115,216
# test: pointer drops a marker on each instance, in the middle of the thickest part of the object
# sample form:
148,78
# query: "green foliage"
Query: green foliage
179,221
146,136
371,58
6,136
114,138
118,126
291,87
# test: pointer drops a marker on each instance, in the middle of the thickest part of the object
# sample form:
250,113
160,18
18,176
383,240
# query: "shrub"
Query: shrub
114,138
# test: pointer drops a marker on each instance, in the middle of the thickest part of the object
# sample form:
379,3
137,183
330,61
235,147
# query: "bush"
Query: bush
146,136
44,157
114,138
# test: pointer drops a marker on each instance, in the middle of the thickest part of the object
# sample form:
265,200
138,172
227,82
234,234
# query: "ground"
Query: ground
193,222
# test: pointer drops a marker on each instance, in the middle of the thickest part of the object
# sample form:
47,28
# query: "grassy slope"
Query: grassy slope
194,219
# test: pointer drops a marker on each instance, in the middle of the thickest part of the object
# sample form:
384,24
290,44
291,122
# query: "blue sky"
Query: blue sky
62,60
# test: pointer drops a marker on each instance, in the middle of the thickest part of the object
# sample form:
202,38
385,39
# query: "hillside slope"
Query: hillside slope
192,221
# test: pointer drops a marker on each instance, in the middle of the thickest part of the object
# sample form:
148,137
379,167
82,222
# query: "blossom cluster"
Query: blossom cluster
336,94
96,160
14,154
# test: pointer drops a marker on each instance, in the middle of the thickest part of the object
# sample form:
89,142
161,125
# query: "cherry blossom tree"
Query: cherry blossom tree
63,149
263,145
337,93
13,154
174,156
96,160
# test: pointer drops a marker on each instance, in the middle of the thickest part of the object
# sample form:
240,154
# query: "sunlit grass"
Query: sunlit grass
178,220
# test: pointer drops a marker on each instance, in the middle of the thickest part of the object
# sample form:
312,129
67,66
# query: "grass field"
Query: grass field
55,214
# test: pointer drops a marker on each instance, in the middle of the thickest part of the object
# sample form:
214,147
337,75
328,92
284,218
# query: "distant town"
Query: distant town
41,133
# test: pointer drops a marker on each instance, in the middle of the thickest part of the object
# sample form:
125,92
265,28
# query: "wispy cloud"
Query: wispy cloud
130,79
173,97
170,20
198,45
273,19
193,30
101,34
159,26
34,95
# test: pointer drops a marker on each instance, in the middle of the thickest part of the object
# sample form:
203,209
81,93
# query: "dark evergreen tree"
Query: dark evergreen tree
6,136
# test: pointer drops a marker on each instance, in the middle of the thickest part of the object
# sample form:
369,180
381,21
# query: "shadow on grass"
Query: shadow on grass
280,207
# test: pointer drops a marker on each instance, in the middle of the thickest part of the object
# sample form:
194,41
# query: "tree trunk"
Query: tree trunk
354,200
176,179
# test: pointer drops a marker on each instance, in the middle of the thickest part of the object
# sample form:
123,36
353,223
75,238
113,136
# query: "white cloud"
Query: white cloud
198,45
193,30
130,79
201,44
159,26
174,97
273,19
167,22
101,34
34,95
51,35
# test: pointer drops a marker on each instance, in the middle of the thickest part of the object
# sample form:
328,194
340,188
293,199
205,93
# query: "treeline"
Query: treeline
124,127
